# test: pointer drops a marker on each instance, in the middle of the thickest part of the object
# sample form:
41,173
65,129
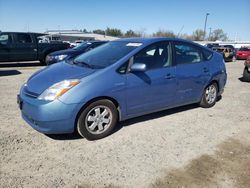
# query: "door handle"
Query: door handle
169,76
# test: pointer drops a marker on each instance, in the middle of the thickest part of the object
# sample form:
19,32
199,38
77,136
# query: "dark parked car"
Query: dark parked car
19,46
211,45
120,80
226,52
232,48
71,53
246,72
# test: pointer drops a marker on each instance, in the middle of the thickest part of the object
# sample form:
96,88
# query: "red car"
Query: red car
243,52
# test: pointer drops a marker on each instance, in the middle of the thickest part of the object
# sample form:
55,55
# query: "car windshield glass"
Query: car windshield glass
107,54
82,46
220,49
244,49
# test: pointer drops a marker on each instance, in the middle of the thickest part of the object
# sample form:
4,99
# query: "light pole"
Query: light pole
205,26
209,35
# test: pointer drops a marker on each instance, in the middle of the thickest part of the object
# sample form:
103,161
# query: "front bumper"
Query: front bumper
53,117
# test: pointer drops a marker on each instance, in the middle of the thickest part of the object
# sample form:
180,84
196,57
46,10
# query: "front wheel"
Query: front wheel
209,96
97,120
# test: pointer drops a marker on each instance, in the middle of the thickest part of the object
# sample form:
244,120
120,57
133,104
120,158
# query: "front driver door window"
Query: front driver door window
25,48
5,42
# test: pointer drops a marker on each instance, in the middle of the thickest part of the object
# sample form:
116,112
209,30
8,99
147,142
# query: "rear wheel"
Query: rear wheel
209,96
43,60
97,120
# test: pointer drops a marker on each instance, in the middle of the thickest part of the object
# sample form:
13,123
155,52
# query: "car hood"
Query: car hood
67,52
44,78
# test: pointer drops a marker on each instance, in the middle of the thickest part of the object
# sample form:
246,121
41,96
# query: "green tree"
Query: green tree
131,33
218,34
85,31
198,35
113,32
99,31
164,33
186,36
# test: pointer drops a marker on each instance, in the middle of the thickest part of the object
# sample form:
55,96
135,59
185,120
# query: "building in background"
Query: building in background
76,35
235,44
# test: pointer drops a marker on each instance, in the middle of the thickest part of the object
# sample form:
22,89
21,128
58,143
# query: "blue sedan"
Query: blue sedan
120,80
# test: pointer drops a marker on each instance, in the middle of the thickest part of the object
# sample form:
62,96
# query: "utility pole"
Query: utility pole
209,36
205,26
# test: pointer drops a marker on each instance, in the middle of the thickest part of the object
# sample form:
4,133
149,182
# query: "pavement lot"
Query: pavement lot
187,146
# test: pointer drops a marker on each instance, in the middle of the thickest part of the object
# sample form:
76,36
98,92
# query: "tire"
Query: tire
42,62
246,75
209,96
97,120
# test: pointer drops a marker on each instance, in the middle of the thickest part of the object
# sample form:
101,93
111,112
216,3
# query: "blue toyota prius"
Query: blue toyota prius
120,80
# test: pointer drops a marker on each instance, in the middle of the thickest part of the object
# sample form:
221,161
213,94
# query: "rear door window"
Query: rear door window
23,38
207,54
187,53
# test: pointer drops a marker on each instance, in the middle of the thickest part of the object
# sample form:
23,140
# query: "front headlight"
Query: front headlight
58,89
60,57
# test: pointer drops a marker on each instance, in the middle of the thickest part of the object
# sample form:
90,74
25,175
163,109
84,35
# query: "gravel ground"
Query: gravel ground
182,147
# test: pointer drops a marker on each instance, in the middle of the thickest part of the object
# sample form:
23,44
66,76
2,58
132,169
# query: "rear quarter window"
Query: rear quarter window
186,53
207,54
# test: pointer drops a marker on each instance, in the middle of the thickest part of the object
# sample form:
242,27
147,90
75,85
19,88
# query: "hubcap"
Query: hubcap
211,94
98,119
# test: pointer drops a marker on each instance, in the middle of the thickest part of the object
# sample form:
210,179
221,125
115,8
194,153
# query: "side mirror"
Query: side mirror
138,67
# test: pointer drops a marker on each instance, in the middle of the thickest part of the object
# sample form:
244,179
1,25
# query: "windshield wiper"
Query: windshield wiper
82,63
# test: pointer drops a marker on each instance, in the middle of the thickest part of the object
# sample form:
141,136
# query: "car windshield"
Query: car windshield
244,49
105,55
82,46
220,49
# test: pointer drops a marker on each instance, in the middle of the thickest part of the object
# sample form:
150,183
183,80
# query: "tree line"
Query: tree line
197,35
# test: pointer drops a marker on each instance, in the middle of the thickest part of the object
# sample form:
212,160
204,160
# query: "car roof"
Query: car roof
228,45
222,47
12,32
97,41
149,40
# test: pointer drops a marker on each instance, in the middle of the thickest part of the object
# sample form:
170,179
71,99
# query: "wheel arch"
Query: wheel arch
114,101
216,82
45,52
208,83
